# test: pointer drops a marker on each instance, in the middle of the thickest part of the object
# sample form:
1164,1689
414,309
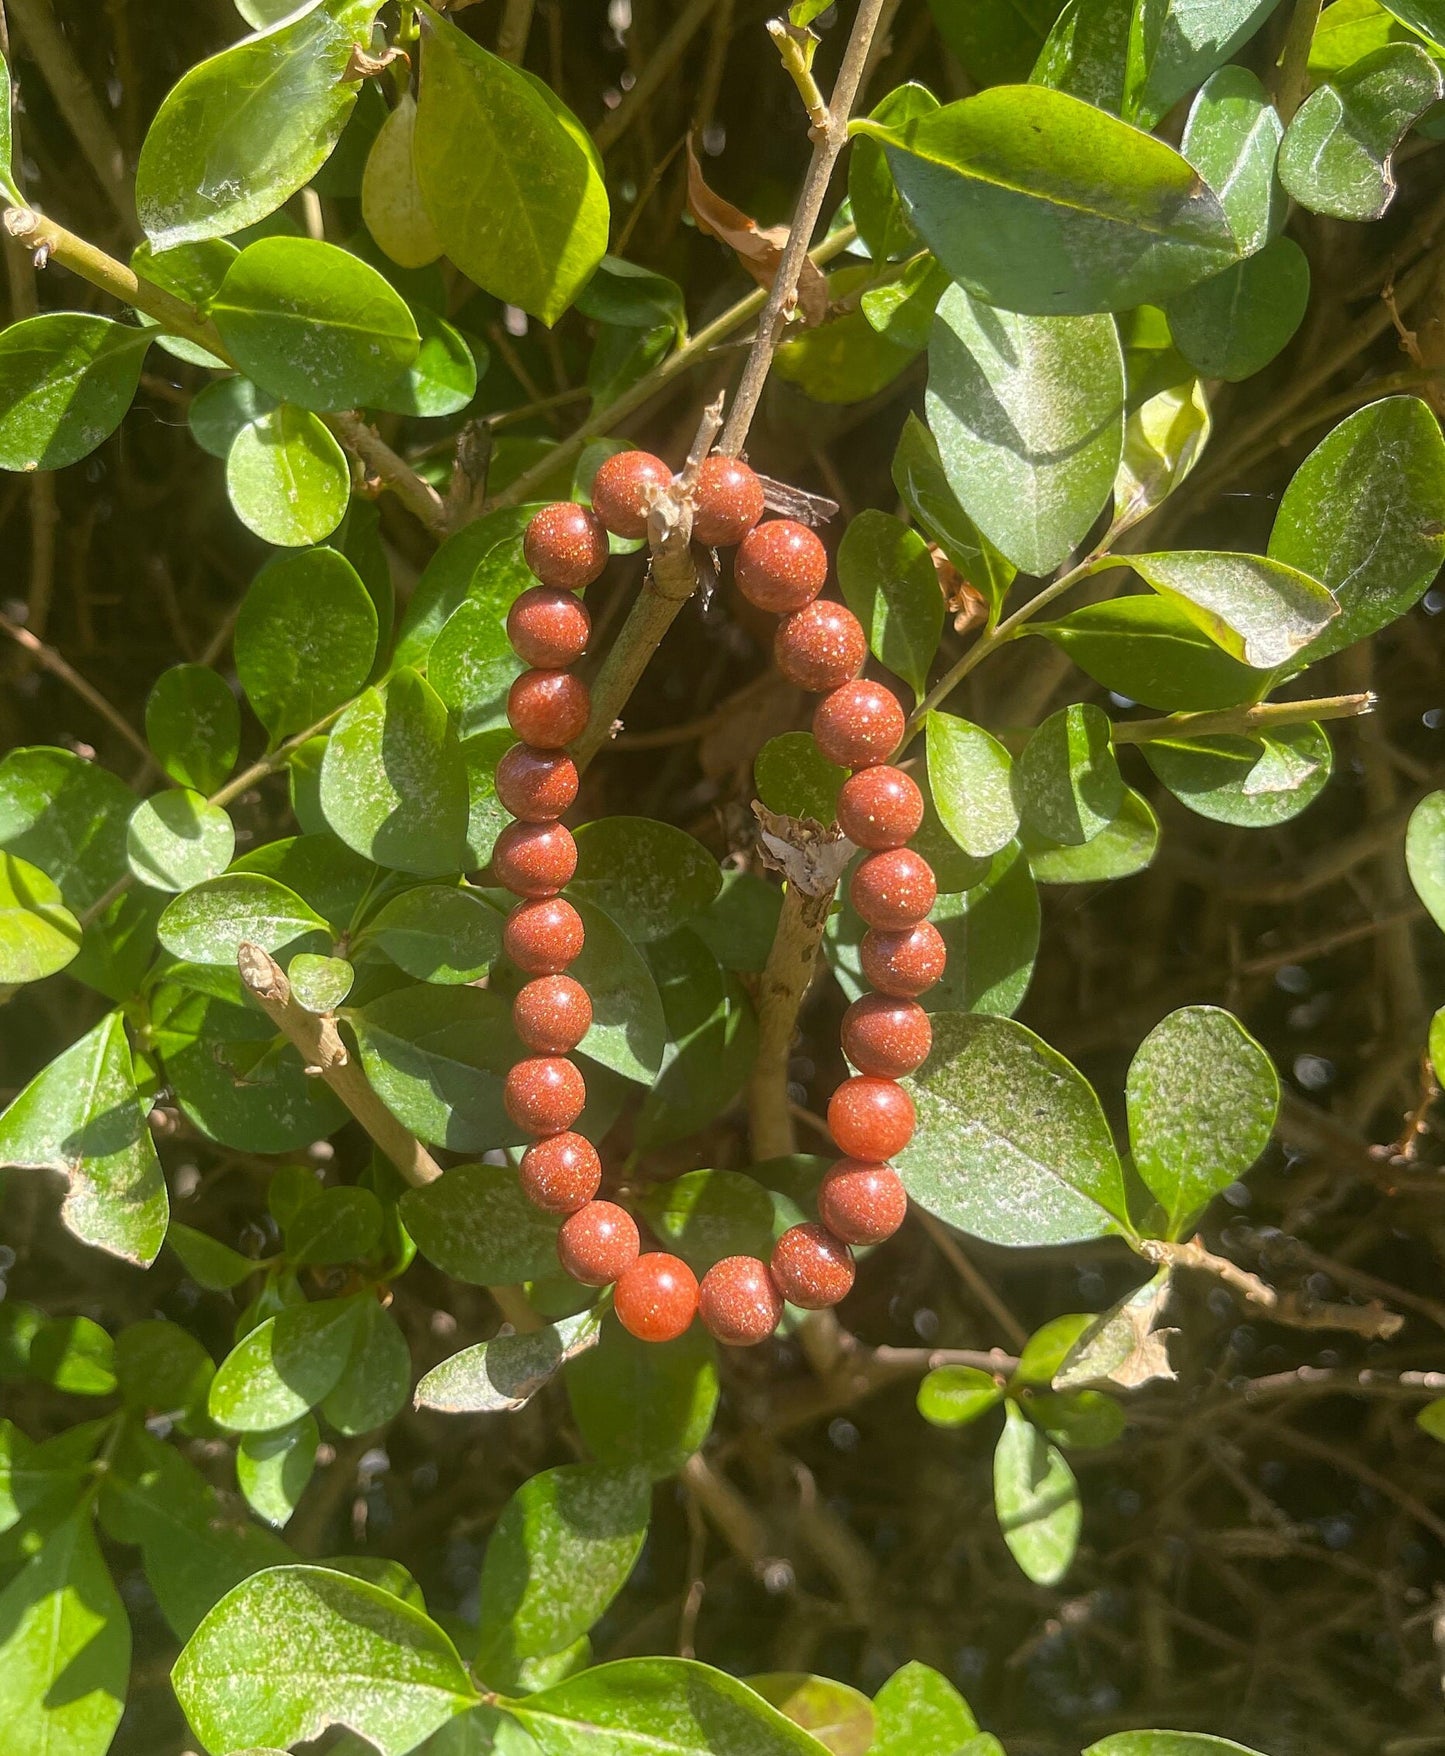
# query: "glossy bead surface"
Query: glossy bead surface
820,647
622,490
859,724
548,628
738,1302
548,708
552,1015
862,1203
598,1243
543,936
880,807
729,501
781,566
534,859
545,1094
536,785
656,1298
871,1119
893,889
811,1267
903,964
886,1037
561,1172
565,545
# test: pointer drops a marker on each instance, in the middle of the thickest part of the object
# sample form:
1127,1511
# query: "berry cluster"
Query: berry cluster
781,566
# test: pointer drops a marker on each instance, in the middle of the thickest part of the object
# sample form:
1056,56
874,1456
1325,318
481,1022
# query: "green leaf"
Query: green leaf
919,1713
323,872
287,478
1067,784
703,1216
888,580
1085,1420
1253,782
84,1117
1040,203
192,272
313,324
7,172
529,221
1167,1744
1183,42
1036,1499
845,360
713,1032
1362,515
305,639
438,1058
1202,1098
795,778
838,1716
629,297
954,1396
483,559
67,817
472,664
476,1225
376,1380
508,1371
272,1469
1148,650
1336,155
176,839
439,933
243,131
629,1031
391,202
1124,846
38,934
1163,437
338,1225
1431,1419
284,1366
557,1556
919,478
1425,854
297,1649
162,1368
209,922
1232,138
901,309
441,380
1095,51
1436,1043
969,778
1029,417
1045,1351
221,409
1011,1145
66,381
193,726
650,877
1259,610
1424,16
393,783
995,40
645,1403
320,984
64,1649
878,210
75,1355
210,1263
1233,324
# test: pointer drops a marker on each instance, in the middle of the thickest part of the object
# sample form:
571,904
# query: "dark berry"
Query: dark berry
903,964
561,1172
552,1015
545,1094
885,1037
543,936
598,1243
811,1267
656,1299
534,859
871,1119
862,1203
548,628
859,724
820,647
893,889
781,566
623,488
729,502
548,708
738,1302
565,546
536,785
880,807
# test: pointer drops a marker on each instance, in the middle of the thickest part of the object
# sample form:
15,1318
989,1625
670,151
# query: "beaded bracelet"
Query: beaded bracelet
781,566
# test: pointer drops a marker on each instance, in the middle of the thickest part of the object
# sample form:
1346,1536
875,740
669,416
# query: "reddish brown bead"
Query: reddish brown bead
903,964
812,1268
543,936
545,1094
781,566
859,724
565,546
552,1015
729,501
536,785
862,1203
738,1302
561,1172
622,490
880,807
534,859
548,628
893,889
548,708
598,1243
886,1037
820,647
656,1299
871,1119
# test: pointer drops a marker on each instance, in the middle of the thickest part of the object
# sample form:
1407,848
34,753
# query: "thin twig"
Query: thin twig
1294,79
784,981
1372,1320
659,65
958,1259
515,28
50,660
1257,716
378,458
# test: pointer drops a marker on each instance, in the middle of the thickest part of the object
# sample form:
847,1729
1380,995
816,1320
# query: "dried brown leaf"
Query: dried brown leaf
758,248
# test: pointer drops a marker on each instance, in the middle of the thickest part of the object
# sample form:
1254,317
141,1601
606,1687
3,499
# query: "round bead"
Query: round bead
880,807
534,859
548,708
561,1172
729,501
598,1243
656,1299
862,1203
893,889
820,647
548,628
622,490
886,1038
565,545
903,964
859,724
738,1302
545,1094
811,1267
871,1119
543,936
781,566
552,1015
536,785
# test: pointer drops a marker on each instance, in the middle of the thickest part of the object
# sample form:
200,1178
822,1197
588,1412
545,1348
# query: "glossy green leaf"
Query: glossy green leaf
649,1404
1125,845
918,1712
650,877
878,210
901,309
969,778
1232,139
1083,1420
919,478
888,580
954,1396
38,934
439,933
483,559
1431,1419
1233,324
391,202
287,478
1095,51
1167,1744
1252,782
628,1032
1028,413
305,639
627,296
1260,610
375,1382
472,665
1163,437
320,984
837,1715
193,726
1147,649
1424,16
210,922
1425,854
338,1225
1067,783
323,871
162,1368
272,1469
1183,42
477,1226
508,1371
192,272
1036,1499
66,381
210,1263
441,380
438,1057
795,778
1048,1347
703,1216
713,1036
220,410
1436,1042
176,839
994,40
845,360
284,1366
73,1354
